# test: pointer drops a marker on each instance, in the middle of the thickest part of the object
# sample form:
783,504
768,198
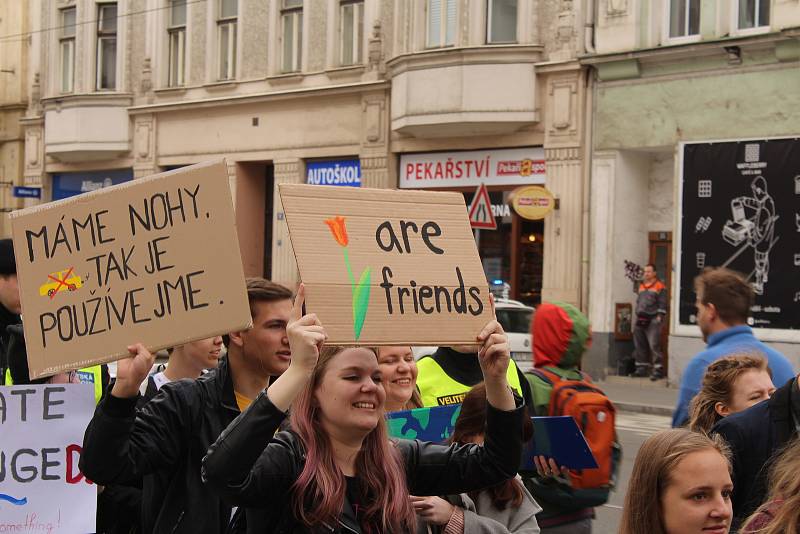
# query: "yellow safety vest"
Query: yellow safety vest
87,375
437,388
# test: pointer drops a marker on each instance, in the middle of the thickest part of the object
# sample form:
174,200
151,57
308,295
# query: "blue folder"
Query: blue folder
558,437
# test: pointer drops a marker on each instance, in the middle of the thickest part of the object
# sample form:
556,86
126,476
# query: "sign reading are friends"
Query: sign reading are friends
154,260
385,267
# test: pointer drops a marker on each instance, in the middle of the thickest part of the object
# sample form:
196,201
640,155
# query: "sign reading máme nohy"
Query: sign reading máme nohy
385,267
154,260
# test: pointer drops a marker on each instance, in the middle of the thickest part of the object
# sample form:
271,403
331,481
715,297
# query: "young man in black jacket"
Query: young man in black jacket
166,440
756,436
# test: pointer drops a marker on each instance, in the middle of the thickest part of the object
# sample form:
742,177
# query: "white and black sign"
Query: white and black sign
741,210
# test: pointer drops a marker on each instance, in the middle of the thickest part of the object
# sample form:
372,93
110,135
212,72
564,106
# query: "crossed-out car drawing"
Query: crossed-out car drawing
60,281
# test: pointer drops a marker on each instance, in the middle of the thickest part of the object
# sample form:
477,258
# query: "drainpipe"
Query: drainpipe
588,141
590,10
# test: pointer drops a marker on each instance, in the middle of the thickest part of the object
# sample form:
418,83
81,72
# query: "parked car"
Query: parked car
516,319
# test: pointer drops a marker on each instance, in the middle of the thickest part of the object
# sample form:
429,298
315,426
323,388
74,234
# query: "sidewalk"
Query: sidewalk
640,395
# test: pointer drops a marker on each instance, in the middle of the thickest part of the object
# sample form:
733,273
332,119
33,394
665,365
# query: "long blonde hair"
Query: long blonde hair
718,383
656,460
784,494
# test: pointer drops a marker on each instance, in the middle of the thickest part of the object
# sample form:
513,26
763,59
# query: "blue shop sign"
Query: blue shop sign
69,184
340,172
27,192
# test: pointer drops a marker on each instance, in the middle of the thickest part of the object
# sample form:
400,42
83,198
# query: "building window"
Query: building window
226,34
292,34
441,23
176,31
753,13
684,18
106,46
351,29
67,49
501,21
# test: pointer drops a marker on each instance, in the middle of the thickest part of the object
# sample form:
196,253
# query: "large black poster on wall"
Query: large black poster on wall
741,210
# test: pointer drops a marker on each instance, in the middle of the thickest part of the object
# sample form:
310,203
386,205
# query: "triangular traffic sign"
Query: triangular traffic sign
480,210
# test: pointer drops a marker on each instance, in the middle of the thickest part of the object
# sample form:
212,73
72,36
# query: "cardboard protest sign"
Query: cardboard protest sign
385,267
155,260
41,487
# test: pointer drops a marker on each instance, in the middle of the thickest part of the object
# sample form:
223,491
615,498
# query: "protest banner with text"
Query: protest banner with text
155,260
41,487
385,267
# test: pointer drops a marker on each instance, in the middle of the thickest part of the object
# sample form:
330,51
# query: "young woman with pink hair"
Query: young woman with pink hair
336,470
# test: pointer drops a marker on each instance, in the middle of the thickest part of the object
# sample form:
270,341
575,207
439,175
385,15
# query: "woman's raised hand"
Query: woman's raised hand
495,354
306,335
494,357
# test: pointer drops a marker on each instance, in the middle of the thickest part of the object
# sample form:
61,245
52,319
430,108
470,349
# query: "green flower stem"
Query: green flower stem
349,269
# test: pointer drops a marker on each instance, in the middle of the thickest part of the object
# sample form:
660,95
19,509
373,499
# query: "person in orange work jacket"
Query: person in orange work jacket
651,309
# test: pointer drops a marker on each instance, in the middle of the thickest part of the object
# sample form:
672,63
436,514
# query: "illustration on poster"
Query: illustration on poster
753,225
702,224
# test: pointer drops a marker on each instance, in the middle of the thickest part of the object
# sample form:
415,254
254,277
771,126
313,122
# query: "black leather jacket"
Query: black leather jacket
252,466
163,444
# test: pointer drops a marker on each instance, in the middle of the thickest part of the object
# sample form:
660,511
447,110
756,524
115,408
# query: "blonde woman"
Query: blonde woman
680,484
780,514
730,385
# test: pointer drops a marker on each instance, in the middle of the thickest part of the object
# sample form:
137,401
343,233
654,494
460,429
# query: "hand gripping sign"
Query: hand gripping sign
386,267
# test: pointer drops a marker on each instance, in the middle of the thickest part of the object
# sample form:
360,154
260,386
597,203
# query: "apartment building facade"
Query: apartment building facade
695,156
14,49
325,91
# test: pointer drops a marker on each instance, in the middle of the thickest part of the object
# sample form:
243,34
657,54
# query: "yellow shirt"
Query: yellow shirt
242,401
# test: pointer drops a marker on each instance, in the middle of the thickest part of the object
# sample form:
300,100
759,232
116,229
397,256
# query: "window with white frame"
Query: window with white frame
106,78
66,45
501,21
753,14
176,32
441,23
292,35
351,29
684,18
227,18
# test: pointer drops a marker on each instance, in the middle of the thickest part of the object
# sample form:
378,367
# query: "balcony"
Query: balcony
90,127
447,92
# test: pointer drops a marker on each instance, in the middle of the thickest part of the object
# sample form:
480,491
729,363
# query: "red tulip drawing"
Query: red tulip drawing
361,288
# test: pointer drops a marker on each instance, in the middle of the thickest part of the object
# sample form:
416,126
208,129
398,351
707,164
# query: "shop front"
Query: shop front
513,253
69,184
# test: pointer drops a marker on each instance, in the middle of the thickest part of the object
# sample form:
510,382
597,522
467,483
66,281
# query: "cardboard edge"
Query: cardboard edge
353,193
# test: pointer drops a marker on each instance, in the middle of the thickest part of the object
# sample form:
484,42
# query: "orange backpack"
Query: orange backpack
595,415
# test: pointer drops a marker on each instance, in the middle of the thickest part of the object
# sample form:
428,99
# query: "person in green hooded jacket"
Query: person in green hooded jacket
561,334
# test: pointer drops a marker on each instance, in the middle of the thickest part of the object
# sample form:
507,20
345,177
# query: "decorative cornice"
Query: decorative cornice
562,154
304,92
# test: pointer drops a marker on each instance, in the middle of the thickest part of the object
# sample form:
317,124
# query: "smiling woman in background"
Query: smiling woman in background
399,375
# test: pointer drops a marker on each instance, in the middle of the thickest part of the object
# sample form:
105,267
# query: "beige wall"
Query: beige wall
14,20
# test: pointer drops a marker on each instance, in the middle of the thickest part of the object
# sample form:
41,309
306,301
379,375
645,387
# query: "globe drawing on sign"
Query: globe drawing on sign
427,424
